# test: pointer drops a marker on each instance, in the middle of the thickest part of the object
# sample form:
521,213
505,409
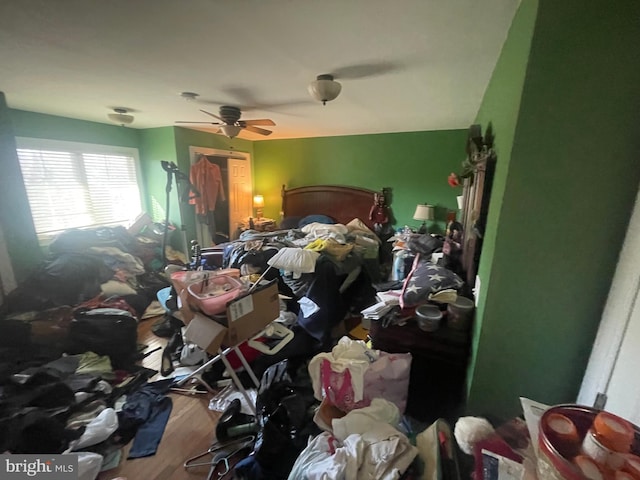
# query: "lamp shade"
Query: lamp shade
120,116
230,131
258,201
324,88
424,212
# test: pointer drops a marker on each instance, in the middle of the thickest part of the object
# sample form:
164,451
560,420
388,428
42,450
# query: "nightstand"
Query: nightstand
259,225
438,366
264,224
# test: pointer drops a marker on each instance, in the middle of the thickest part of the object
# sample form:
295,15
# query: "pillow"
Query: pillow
316,219
288,223
424,279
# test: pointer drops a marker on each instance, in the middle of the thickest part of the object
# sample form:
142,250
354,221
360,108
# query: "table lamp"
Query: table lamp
423,212
258,203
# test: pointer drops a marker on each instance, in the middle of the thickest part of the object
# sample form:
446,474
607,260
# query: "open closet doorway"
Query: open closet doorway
220,225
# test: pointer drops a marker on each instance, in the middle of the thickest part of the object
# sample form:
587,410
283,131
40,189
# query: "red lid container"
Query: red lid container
551,463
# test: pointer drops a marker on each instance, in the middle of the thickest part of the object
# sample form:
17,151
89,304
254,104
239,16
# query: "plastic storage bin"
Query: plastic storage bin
428,317
460,313
212,293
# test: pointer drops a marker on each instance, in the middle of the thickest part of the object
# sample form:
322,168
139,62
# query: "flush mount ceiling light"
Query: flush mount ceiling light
189,96
120,116
324,88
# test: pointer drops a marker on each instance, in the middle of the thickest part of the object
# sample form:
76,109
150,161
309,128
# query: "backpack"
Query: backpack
105,331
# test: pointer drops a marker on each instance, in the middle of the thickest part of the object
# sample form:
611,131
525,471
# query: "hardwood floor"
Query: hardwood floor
190,430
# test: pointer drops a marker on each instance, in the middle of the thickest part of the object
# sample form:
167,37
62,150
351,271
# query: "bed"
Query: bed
347,262
342,203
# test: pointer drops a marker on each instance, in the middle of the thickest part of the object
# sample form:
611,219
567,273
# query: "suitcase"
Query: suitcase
105,331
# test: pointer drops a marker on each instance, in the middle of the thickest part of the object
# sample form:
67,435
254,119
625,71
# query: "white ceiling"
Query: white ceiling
404,65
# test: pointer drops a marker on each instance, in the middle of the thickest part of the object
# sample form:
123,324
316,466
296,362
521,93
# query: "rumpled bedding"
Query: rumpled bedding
343,250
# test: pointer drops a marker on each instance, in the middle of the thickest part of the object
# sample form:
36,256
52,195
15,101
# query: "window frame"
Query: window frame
76,148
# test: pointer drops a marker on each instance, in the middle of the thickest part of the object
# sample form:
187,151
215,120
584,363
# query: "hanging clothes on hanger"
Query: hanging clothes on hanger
207,178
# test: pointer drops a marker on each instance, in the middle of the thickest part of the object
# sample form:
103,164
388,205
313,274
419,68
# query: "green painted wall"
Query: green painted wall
40,125
572,178
15,213
500,108
156,145
415,165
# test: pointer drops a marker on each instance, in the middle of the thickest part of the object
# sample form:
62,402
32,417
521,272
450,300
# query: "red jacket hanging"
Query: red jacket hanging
207,178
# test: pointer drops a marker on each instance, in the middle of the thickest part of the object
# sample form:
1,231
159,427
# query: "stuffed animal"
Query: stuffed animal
470,430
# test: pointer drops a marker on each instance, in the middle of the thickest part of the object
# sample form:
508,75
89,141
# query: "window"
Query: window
75,185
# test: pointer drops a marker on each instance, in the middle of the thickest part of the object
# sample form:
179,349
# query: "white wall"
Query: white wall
614,361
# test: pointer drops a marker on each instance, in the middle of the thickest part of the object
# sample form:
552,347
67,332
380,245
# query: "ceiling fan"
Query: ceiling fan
230,123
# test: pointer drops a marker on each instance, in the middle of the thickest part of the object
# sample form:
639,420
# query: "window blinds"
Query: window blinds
79,187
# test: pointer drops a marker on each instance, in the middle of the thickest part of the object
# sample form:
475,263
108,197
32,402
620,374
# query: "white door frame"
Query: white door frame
202,233
623,297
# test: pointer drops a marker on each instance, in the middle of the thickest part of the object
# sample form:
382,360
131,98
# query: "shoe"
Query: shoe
166,326
166,366
175,343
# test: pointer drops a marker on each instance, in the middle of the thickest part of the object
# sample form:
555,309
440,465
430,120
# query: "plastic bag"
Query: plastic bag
286,422
352,375
221,401
98,430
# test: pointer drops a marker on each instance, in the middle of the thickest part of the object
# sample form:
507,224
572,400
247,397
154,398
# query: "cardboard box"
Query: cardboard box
186,312
247,315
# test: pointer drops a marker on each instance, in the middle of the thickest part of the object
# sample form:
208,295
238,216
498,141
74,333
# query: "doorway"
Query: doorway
611,381
235,169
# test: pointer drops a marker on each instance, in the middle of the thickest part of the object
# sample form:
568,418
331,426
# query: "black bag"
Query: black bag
105,331
285,416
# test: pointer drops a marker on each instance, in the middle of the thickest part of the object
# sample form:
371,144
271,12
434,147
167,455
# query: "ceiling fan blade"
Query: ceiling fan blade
211,114
259,121
261,131
186,121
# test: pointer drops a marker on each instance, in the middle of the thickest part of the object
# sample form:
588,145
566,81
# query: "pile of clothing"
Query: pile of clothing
80,404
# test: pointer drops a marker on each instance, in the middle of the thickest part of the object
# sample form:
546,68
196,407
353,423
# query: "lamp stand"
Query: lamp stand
423,228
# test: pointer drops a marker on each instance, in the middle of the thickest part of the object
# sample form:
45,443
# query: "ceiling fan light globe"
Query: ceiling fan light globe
230,131
120,118
324,89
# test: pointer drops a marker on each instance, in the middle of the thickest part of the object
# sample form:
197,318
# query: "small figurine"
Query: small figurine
379,213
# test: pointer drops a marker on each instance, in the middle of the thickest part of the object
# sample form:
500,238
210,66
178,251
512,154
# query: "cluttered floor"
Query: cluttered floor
189,431
84,379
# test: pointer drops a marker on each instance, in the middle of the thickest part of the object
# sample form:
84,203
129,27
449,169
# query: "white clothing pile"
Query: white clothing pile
362,446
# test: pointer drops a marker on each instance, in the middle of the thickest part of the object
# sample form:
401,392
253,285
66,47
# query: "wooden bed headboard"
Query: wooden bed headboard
342,203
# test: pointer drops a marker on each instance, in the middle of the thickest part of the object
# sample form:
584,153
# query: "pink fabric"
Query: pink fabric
387,377
414,266
207,178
